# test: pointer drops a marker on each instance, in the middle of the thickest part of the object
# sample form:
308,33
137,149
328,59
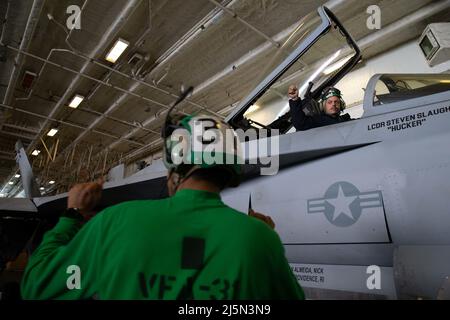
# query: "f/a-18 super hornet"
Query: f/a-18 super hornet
363,206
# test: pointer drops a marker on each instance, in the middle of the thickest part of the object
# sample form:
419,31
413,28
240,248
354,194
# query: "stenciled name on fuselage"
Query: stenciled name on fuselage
407,122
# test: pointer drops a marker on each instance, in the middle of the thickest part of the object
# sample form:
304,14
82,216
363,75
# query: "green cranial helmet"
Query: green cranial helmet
201,142
332,92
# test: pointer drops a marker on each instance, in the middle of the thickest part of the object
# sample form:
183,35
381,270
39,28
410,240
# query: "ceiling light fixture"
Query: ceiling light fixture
52,132
76,101
116,51
17,176
51,182
36,152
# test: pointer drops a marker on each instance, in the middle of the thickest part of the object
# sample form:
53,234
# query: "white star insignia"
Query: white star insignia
342,204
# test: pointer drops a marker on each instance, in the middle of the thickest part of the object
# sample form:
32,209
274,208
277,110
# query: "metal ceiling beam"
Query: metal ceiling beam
261,49
155,145
130,92
103,44
404,22
12,154
50,17
136,85
121,100
8,125
134,79
211,18
31,138
5,20
235,16
7,158
66,123
83,75
118,120
245,59
422,13
32,22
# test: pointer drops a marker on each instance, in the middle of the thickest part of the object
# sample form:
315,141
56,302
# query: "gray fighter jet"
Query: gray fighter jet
361,201
362,207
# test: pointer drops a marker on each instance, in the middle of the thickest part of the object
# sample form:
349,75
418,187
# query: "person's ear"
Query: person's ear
173,180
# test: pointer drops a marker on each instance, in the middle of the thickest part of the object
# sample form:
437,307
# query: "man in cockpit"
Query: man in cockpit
331,106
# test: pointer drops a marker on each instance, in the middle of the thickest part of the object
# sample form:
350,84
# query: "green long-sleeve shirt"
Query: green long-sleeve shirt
189,246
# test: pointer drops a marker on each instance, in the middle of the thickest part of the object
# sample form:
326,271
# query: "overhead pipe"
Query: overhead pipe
118,102
171,51
18,135
419,15
50,17
65,123
130,92
115,27
113,70
83,75
246,58
186,39
32,22
114,106
373,38
30,130
5,20
98,114
235,16
141,82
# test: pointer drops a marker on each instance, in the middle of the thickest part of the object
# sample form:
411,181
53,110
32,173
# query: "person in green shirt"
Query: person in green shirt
187,246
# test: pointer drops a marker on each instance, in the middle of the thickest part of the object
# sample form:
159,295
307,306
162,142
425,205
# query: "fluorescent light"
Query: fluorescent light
17,176
51,182
41,188
76,101
116,51
337,65
11,183
52,132
36,152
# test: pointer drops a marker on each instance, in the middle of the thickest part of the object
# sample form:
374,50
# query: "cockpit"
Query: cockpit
392,88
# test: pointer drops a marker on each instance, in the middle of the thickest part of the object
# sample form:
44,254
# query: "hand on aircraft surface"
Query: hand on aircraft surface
293,92
268,220
85,197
